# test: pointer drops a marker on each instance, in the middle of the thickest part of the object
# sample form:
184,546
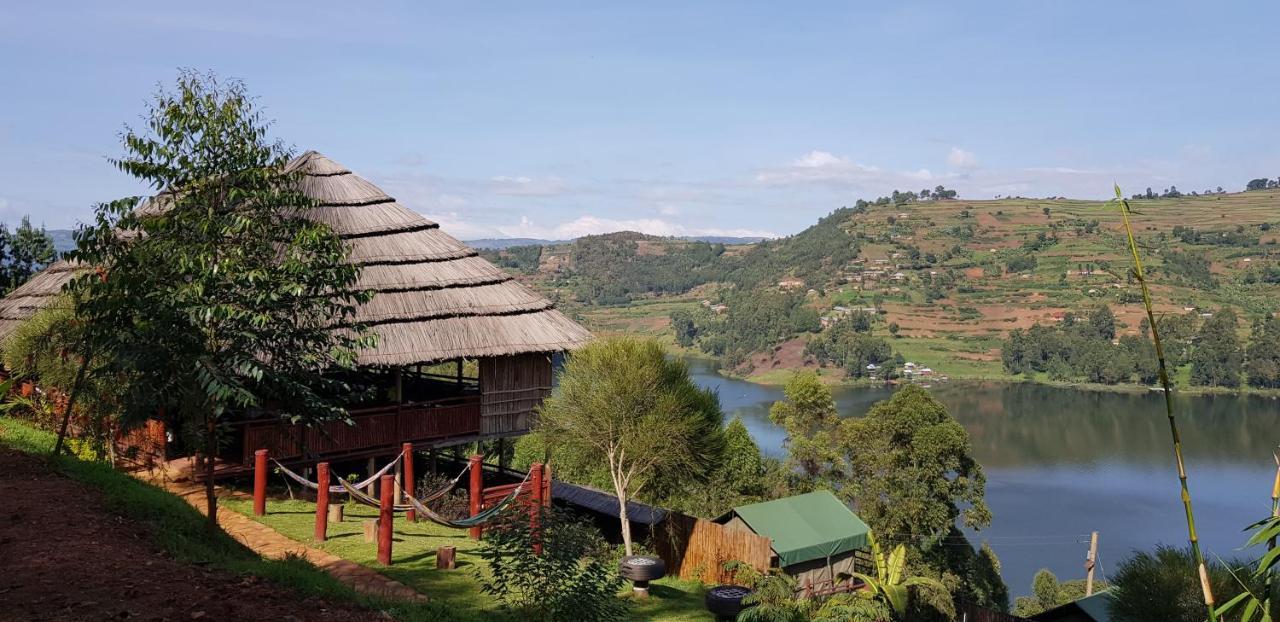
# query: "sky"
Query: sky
558,119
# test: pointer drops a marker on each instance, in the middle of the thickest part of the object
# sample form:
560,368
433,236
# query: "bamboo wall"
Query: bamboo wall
697,548
511,387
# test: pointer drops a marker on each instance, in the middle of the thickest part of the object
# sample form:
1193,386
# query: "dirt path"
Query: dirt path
271,544
65,557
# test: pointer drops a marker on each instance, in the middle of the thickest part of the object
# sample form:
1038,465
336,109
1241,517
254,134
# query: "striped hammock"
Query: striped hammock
336,488
438,494
426,512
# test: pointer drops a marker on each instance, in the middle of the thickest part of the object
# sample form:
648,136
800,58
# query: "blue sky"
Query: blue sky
546,119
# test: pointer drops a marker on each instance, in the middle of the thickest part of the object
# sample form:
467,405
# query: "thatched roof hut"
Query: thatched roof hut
436,299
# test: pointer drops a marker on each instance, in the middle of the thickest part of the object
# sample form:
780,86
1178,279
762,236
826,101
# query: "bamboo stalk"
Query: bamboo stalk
1271,544
1139,274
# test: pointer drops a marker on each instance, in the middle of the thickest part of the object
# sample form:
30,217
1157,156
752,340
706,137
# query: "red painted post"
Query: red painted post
409,486
322,501
260,482
535,505
477,490
386,514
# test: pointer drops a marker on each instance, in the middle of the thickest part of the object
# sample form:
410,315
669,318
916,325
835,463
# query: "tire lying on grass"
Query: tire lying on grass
642,568
726,600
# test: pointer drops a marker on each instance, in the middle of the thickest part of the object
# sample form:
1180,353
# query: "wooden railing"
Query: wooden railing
379,427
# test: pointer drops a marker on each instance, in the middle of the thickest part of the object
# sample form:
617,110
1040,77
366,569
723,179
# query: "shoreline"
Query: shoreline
1129,388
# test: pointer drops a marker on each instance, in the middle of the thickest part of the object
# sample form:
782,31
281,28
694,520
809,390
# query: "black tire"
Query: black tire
726,600
642,568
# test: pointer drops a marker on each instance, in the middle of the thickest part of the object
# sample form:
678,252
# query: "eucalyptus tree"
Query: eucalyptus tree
217,294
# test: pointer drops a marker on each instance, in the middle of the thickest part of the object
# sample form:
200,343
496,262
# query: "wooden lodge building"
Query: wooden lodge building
436,301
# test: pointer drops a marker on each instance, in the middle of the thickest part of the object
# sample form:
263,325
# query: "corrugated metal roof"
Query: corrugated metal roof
604,503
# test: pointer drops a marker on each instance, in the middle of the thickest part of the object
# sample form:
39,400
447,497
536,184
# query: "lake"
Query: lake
1061,463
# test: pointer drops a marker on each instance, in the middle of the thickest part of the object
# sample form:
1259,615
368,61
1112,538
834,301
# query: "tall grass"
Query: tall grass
1140,275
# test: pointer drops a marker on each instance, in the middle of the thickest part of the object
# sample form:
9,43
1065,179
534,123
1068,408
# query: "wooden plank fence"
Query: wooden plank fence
698,548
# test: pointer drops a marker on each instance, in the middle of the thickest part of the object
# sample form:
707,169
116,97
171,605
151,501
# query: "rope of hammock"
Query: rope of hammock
338,489
417,506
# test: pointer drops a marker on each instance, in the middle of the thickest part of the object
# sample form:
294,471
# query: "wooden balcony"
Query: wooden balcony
381,428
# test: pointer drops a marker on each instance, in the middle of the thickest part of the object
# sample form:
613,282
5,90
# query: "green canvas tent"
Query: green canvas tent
804,528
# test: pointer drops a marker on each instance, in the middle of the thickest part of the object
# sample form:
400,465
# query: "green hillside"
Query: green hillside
953,277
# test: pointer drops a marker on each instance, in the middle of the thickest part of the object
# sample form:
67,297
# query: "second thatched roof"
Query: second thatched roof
434,299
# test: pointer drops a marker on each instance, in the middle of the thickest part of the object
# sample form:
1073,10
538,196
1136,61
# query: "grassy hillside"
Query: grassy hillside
955,276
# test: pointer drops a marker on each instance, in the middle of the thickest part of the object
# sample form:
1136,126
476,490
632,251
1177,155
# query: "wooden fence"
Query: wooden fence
698,548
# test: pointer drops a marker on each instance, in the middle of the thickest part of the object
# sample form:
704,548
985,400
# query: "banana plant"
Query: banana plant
891,585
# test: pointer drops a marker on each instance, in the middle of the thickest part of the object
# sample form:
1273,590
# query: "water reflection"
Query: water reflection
1061,463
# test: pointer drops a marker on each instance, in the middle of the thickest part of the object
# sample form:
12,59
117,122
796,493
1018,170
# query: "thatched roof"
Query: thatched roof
435,298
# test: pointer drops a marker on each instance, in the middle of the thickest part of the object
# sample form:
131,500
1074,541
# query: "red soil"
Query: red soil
65,557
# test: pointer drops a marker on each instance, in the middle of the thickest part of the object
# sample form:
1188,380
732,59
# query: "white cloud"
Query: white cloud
522,186
825,168
668,209
959,158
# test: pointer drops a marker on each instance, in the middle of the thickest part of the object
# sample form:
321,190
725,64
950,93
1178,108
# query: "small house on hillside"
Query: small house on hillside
815,537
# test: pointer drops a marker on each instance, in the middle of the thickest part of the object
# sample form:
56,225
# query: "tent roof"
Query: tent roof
435,298
1096,608
805,527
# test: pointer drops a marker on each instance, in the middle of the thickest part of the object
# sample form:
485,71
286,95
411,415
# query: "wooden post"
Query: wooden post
322,501
477,490
259,482
432,453
546,485
372,466
446,557
386,514
399,389
535,505
459,372
1090,562
410,487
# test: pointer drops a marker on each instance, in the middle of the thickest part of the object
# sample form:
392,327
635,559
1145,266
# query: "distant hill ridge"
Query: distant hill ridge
505,243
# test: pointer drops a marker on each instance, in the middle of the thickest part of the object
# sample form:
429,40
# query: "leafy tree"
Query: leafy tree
1217,359
1257,184
894,328
620,402
569,579
683,325
809,417
218,295
1102,321
1263,356
911,470
24,252
741,475
1047,592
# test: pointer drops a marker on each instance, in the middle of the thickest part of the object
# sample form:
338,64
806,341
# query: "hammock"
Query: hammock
338,489
426,512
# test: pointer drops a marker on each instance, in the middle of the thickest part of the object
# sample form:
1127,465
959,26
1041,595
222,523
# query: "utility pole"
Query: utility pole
1090,562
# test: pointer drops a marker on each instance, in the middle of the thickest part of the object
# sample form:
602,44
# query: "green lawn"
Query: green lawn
414,562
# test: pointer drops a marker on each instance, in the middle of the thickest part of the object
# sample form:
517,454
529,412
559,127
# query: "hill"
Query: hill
505,243
953,277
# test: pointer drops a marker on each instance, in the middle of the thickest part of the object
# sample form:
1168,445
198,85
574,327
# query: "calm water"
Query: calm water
1061,463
